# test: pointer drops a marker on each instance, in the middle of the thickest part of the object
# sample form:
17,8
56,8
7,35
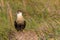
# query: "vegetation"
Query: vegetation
43,16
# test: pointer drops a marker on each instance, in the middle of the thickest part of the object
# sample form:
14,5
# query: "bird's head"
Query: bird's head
19,13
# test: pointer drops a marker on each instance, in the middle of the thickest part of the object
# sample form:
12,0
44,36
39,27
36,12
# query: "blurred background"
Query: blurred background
42,16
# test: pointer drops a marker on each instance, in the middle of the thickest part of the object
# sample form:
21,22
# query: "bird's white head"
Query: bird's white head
19,14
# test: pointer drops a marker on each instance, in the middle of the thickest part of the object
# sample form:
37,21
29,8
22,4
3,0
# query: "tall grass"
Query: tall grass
43,16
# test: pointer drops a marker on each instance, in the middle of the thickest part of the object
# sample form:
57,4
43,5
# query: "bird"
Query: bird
20,22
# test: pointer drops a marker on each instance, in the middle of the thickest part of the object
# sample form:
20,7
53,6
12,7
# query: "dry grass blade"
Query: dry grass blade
2,5
9,11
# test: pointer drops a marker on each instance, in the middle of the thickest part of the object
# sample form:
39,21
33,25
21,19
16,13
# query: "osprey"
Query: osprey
20,22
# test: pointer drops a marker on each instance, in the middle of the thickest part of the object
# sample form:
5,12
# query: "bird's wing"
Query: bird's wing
15,23
25,23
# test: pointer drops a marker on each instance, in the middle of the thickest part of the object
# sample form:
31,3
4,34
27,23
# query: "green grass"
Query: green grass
43,15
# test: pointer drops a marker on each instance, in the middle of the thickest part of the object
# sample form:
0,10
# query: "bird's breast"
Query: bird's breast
20,21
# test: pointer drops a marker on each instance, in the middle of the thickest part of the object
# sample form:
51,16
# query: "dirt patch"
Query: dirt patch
25,35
